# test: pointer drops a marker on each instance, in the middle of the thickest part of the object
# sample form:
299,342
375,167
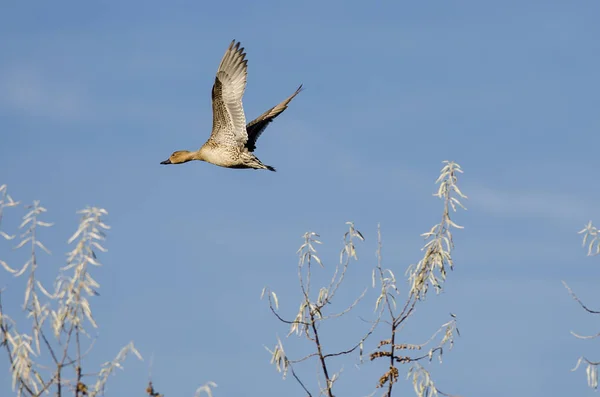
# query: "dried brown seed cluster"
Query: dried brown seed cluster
389,376
375,355
82,389
151,392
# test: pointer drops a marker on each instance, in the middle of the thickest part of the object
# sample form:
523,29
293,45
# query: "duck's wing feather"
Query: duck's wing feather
257,126
229,121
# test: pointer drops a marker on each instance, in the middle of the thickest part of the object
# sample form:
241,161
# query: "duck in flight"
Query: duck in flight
231,143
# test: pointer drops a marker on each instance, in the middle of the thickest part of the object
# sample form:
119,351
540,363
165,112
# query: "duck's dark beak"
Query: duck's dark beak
167,161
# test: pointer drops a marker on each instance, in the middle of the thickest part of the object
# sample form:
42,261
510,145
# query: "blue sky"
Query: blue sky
93,97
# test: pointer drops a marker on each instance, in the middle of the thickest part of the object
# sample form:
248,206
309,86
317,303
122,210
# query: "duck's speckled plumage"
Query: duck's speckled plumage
232,142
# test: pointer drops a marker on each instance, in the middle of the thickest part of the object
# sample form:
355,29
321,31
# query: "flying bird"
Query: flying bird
232,142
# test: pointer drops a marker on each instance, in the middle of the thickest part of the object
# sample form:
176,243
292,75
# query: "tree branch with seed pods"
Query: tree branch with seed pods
591,240
431,270
51,357
313,312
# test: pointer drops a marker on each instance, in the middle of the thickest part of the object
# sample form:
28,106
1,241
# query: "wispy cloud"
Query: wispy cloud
28,92
531,204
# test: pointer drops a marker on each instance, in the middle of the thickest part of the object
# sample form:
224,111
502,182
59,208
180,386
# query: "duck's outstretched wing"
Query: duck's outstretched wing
257,126
229,121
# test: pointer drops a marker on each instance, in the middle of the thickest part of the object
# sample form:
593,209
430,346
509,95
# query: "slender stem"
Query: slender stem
58,380
321,356
299,381
77,393
4,329
392,351
282,319
579,301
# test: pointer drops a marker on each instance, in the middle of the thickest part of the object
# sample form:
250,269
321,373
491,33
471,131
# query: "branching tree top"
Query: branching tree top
316,306
61,316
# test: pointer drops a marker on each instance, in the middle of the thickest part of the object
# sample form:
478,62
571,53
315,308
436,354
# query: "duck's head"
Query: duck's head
178,157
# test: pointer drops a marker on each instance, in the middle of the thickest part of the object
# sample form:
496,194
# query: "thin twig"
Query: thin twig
446,394
299,381
4,329
282,319
320,352
358,344
578,300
